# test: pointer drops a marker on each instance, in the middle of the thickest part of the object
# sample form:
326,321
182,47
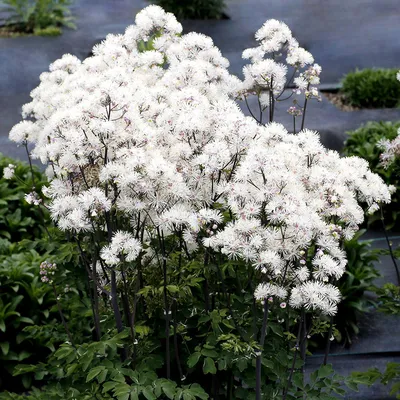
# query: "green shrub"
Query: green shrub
41,17
193,9
363,143
372,88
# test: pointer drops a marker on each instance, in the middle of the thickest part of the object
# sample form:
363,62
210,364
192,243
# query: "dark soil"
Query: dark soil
340,101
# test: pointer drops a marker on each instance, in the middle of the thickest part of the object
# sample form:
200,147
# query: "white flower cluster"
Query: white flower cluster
263,76
391,150
147,129
123,246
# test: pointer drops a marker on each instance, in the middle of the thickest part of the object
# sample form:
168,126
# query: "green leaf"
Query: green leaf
242,364
94,372
134,395
169,389
148,393
193,359
298,380
102,376
188,396
63,352
172,288
325,371
209,353
108,386
86,360
5,347
26,320
121,389
23,355
209,366
27,381
40,375
198,391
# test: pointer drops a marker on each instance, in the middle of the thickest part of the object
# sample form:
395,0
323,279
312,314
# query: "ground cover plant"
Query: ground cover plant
38,17
211,242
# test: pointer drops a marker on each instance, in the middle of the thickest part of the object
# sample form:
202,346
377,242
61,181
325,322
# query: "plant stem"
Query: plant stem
117,312
297,346
166,307
261,344
96,313
271,101
304,110
64,322
328,341
390,246
176,348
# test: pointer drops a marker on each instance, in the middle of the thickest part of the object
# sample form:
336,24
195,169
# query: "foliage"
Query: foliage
29,319
389,299
41,17
391,376
363,143
358,278
193,9
372,88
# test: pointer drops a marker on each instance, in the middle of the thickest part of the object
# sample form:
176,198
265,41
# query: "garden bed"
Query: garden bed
340,101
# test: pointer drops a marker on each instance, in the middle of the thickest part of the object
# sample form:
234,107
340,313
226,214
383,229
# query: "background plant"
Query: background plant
41,17
193,9
363,142
372,88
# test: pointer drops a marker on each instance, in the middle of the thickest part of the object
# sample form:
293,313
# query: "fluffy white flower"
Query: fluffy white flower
123,246
297,56
8,172
316,296
265,290
273,35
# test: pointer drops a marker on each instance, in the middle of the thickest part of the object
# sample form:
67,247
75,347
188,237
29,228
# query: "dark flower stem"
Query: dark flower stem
390,246
296,350
64,322
176,348
261,345
166,306
304,110
328,341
